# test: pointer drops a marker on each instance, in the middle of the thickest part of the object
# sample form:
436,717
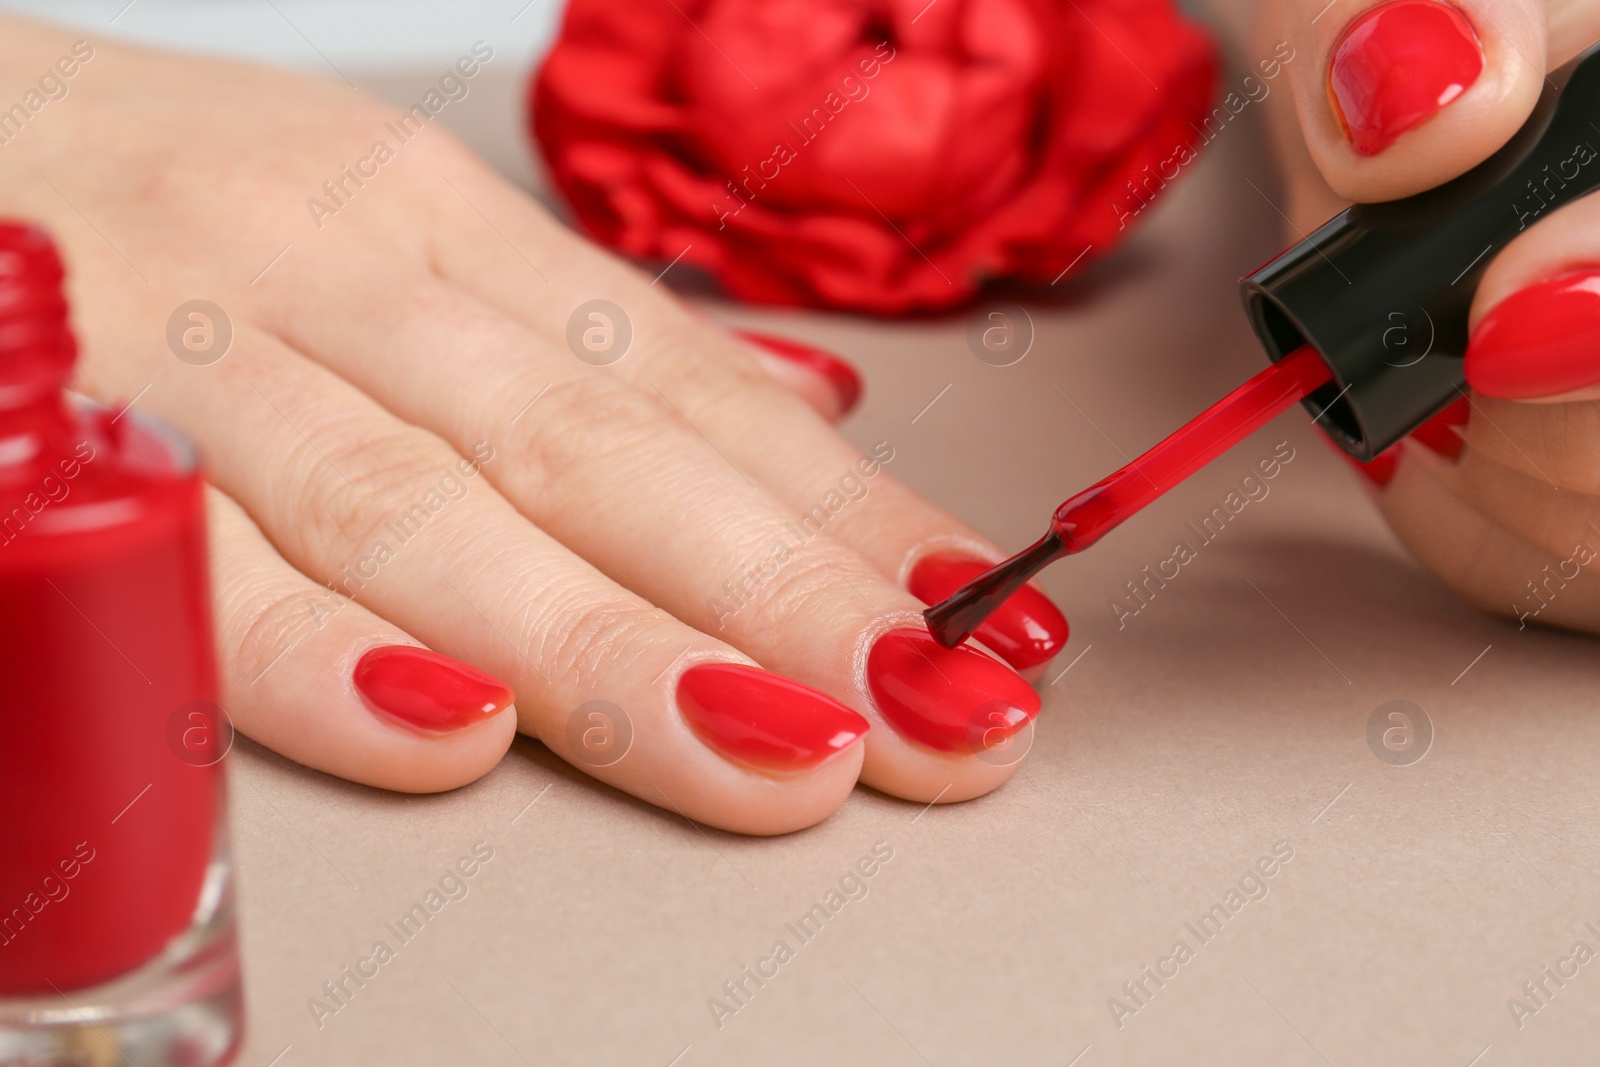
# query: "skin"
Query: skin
1527,488
422,319
413,327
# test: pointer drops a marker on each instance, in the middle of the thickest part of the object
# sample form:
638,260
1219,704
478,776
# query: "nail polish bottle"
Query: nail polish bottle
116,902
1382,291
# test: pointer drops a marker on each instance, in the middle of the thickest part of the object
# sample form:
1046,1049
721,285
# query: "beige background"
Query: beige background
1228,715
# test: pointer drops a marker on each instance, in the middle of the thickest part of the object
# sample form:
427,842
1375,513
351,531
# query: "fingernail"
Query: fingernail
1025,631
426,690
1398,64
841,376
1439,433
949,699
1543,340
764,719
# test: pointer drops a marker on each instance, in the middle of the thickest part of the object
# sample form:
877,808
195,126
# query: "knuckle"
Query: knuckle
583,635
714,369
364,479
264,623
812,584
1547,443
582,419
1572,440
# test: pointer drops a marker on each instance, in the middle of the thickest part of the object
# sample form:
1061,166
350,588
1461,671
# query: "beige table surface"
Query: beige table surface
1229,715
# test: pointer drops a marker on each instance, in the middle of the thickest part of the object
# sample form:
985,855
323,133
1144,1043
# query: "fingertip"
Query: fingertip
1412,93
953,700
432,723
822,379
1396,65
426,691
1027,630
1540,342
448,761
765,721
291,651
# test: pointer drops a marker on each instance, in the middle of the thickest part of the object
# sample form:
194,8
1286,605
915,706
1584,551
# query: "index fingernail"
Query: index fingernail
1025,631
1542,340
946,698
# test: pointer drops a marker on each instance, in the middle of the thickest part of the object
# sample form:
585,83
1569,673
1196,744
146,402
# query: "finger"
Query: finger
829,384
291,652
1444,435
1397,97
1536,316
821,480
832,487
1428,505
391,517
1471,449
1550,518
1487,469
627,483
1501,534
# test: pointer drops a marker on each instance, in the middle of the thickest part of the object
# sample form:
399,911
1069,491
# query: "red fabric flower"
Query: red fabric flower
879,156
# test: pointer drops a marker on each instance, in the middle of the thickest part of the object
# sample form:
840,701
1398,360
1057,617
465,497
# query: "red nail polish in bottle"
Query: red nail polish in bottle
116,900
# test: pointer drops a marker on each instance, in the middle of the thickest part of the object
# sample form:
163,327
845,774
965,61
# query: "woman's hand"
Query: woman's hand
1499,496
424,433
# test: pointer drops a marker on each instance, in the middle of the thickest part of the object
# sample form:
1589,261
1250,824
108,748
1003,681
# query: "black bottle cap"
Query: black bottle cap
1382,291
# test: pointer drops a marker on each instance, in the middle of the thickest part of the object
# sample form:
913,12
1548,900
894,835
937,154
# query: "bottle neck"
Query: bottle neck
32,433
37,349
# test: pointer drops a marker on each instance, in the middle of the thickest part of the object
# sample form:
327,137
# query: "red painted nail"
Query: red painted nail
1398,64
1026,631
427,690
841,375
950,699
1540,341
765,719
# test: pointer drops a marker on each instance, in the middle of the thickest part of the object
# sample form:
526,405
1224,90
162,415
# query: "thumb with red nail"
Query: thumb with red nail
1499,494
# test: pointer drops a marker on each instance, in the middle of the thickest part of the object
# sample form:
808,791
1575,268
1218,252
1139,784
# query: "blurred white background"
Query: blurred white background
392,48
357,35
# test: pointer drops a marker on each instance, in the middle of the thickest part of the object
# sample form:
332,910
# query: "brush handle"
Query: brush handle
1382,291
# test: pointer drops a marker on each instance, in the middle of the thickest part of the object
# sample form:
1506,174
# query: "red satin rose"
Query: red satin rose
878,156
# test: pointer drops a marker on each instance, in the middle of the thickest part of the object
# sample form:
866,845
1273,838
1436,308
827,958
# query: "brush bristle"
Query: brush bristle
954,619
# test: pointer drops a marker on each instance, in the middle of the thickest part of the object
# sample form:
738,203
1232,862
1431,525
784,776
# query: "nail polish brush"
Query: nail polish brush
1365,322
